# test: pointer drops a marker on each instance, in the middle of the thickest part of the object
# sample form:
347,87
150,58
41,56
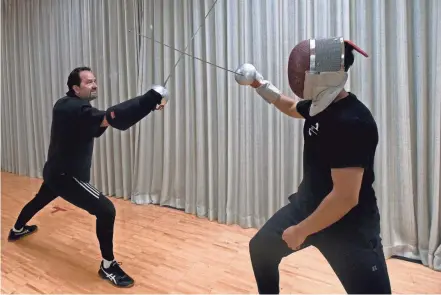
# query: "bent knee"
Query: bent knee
268,245
262,242
107,209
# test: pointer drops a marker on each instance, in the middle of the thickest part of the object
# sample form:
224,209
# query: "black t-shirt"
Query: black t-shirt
75,125
344,135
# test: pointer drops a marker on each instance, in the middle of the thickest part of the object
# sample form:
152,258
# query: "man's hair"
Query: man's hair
349,56
74,77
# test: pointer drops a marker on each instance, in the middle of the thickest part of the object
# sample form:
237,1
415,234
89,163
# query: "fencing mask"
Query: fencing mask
317,70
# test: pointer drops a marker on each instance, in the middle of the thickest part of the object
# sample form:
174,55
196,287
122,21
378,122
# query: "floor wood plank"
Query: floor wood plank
165,250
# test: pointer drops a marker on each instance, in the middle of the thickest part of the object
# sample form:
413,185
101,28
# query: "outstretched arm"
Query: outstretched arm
94,122
283,103
247,74
288,106
127,113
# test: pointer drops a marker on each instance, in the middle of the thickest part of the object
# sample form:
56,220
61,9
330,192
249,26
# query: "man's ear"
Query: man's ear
76,88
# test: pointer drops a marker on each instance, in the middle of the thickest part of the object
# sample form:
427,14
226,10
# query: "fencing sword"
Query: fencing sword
200,26
184,53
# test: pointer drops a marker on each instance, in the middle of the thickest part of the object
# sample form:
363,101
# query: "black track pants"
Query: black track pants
82,195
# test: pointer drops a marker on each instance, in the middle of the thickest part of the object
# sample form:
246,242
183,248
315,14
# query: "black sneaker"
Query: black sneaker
26,230
116,275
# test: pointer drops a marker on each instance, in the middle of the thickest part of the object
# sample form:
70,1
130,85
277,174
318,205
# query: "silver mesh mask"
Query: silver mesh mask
326,76
326,55
316,70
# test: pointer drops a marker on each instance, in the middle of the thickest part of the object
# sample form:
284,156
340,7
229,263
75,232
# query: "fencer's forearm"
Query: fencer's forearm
330,210
287,106
126,114
247,74
274,96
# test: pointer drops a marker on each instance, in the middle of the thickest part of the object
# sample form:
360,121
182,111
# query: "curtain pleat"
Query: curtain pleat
218,150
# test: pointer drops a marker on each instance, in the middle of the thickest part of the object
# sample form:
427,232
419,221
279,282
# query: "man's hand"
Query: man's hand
161,106
165,96
247,74
256,84
294,237
104,123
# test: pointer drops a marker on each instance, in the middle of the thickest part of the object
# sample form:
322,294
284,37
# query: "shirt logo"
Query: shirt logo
313,129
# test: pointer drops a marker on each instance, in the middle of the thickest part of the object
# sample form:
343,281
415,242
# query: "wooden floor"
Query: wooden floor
165,250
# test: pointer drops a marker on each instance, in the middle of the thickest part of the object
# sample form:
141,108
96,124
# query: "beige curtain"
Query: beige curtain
219,150
42,41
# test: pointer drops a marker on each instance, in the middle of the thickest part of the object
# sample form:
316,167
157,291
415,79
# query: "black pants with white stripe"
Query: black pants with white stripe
82,195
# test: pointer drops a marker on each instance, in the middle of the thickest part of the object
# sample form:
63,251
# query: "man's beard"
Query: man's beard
92,96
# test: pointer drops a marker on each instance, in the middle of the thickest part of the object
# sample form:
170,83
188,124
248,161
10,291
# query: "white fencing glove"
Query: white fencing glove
164,93
247,74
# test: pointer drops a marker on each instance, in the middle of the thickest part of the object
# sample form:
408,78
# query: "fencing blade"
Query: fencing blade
184,53
185,49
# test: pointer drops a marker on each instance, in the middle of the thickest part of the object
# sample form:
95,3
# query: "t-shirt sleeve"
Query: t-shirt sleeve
303,107
351,144
89,121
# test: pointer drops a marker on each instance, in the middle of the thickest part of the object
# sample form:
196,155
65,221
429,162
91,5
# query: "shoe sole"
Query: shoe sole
106,279
22,236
